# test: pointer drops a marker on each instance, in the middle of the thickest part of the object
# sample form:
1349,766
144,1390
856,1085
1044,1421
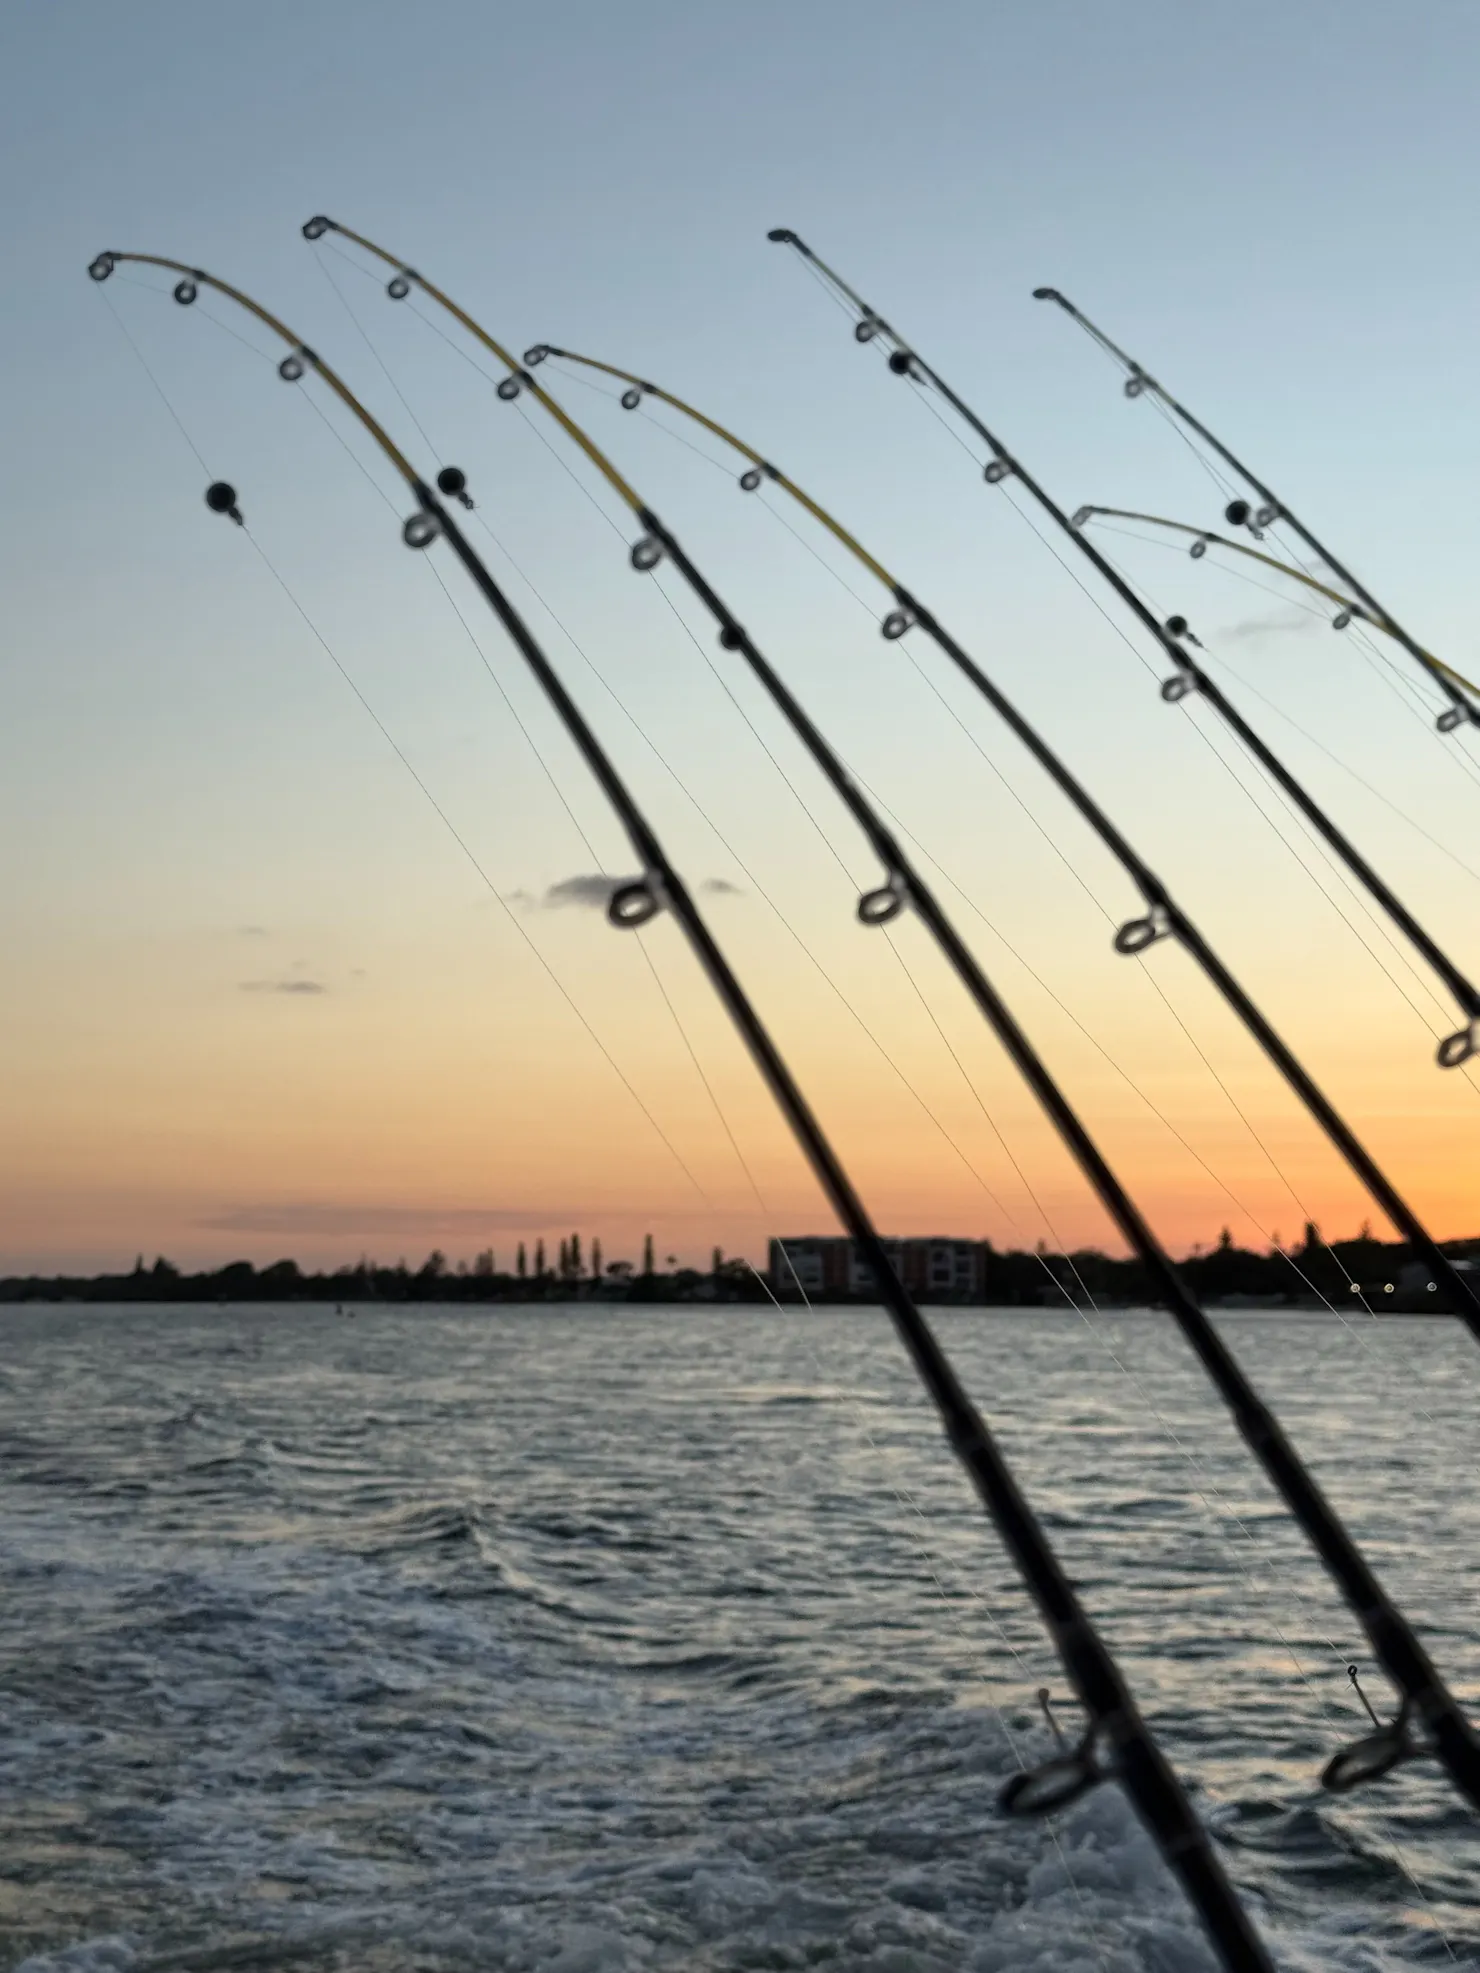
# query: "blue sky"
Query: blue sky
1264,204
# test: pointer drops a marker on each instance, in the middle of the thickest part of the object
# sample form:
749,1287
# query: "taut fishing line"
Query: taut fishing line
1259,806
823,837
1343,877
750,875
906,1499
685,1039
1394,1643
1188,676
1113,1722
649,391
396,748
1112,1716
1403,684
1379,928
1139,382
652,393
1164,916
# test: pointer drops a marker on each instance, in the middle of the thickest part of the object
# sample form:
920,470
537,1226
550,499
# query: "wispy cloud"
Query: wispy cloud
282,986
592,892
252,931
1281,623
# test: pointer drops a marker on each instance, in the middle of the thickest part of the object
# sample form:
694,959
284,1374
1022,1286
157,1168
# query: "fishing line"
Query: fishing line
1315,740
1139,382
482,655
1006,1213
1164,916
364,334
645,393
1140,1765
1078,878
1306,1281
159,387
1392,1640
992,1124
1218,753
1188,676
837,576
1342,876
924,677
767,1217
1207,739
1150,1782
754,881
1401,957
1350,614
492,889
823,837
904,967
1295,1265
411,769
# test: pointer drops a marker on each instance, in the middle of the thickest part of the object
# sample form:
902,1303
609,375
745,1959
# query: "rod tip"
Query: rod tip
1049,294
317,227
783,235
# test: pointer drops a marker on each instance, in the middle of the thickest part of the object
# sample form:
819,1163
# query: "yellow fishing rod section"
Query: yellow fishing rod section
400,286
760,466
300,356
1204,538
406,277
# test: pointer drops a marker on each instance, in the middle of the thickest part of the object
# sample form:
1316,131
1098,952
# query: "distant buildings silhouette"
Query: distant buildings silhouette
1363,1273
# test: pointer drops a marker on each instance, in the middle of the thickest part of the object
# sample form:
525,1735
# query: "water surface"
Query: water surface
580,1640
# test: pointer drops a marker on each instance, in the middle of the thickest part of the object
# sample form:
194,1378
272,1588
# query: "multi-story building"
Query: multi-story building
934,1270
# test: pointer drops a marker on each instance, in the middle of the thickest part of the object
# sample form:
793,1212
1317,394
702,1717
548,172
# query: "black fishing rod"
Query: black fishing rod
1348,609
1425,1698
1238,513
1165,917
1116,1739
1189,676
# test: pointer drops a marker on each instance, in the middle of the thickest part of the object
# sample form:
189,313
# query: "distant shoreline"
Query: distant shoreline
1364,1277
352,1308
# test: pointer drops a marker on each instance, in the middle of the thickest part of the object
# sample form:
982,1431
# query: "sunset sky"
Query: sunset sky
258,996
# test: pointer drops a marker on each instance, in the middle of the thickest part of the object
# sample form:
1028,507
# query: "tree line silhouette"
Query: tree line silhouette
1363,1272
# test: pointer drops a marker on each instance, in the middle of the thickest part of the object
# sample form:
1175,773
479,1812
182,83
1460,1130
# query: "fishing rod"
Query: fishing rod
1165,917
1349,610
1425,1698
1238,513
1189,676
1116,1739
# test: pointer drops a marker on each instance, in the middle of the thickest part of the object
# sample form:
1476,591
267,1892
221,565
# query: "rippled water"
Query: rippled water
593,1639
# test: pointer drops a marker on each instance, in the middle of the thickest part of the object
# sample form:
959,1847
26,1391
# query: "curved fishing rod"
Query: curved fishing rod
905,361
1238,513
1166,916
1349,610
1425,1698
1116,1739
